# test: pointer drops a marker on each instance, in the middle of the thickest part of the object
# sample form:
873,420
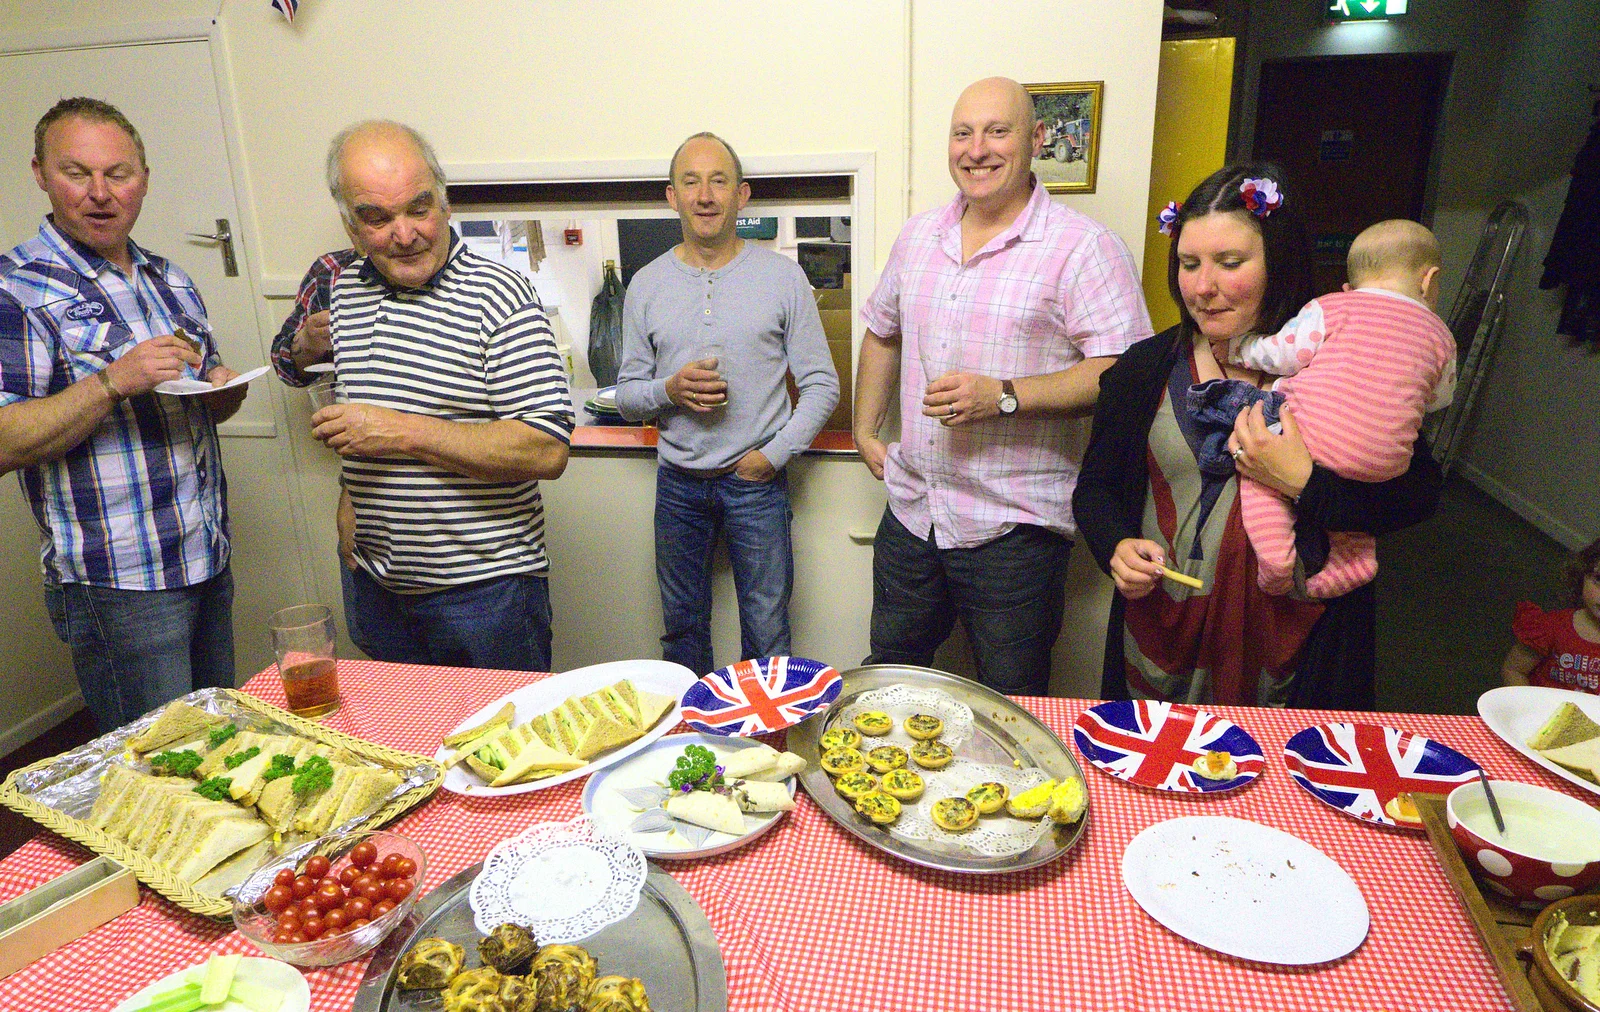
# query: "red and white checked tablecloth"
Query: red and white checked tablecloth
810,919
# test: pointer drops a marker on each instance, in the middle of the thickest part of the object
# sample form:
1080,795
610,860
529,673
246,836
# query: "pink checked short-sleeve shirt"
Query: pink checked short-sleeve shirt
1054,288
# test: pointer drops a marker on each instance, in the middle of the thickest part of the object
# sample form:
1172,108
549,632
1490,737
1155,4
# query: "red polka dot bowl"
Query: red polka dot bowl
1550,850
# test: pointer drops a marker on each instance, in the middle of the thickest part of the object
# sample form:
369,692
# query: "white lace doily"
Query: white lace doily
995,835
902,701
563,881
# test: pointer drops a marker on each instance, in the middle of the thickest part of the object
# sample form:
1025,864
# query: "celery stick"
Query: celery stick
185,999
219,978
255,997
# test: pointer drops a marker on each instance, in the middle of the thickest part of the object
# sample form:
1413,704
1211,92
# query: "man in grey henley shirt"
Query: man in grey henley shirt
710,330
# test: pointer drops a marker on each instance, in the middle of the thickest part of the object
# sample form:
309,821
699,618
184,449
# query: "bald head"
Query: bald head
1395,249
381,146
391,193
996,93
993,139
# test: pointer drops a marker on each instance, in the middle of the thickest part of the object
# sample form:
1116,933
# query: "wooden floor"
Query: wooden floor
69,734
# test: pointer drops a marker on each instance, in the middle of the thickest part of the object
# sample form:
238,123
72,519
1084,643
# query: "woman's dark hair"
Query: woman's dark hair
1580,566
1283,238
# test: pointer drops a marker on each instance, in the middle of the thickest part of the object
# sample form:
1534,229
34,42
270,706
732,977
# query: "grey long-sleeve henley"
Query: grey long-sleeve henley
760,309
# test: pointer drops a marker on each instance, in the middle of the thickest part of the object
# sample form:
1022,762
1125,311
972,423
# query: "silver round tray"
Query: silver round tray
667,943
1003,732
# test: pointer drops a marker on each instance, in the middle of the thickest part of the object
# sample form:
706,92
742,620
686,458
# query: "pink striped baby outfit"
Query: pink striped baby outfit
1362,368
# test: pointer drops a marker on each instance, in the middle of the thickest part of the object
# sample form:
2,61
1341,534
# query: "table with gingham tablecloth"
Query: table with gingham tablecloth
810,919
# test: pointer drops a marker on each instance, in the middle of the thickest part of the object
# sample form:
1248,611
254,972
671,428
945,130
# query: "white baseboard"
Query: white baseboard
40,723
1536,515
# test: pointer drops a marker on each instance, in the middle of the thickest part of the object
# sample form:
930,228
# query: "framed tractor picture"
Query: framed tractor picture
1071,114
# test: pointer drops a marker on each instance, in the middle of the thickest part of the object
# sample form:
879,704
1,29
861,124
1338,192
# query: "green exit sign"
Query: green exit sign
1365,10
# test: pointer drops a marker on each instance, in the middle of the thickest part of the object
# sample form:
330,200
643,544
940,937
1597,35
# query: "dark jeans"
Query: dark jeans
754,518
1008,593
135,650
498,623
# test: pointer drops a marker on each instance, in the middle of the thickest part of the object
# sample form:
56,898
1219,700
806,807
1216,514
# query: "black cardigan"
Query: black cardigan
1335,669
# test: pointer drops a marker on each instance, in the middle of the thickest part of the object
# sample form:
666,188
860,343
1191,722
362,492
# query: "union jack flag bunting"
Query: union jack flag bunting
1360,768
286,7
1154,744
757,696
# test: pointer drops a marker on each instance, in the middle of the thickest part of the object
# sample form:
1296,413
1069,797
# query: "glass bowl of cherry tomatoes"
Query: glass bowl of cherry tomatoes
334,905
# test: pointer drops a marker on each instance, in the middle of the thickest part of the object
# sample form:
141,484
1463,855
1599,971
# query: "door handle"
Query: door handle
223,235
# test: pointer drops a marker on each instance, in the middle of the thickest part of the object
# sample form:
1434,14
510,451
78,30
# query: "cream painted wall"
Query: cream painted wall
484,80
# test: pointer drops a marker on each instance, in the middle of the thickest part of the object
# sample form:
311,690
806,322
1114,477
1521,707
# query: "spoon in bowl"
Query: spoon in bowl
1494,806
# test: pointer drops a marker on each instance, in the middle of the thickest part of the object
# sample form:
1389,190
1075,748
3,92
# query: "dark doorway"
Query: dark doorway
1355,135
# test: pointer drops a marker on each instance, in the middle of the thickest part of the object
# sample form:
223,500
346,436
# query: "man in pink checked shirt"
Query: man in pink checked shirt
998,311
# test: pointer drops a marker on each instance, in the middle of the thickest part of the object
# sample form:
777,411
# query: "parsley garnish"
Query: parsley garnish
216,788
697,770
240,758
314,774
177,764
281,765
222,734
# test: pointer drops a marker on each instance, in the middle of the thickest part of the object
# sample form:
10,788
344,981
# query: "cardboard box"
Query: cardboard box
73,903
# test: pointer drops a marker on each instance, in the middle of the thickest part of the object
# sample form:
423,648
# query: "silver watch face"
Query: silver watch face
1008,404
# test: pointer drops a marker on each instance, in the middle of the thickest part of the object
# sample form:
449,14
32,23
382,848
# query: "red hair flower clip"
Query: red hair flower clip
1168,217
1261,196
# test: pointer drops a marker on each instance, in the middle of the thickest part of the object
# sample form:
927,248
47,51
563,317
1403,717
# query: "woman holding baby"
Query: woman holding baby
1188,472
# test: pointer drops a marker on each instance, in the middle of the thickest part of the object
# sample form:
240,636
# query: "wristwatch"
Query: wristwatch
1008,398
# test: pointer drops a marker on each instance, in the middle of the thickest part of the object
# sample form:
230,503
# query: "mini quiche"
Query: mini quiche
854,785
874,723
1033,802
878,807
841,737
931,755
955,814
887,757
905,785
842,760
988,798
1216,766
922,726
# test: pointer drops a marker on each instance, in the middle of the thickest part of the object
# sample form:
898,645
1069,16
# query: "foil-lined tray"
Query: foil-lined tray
58,793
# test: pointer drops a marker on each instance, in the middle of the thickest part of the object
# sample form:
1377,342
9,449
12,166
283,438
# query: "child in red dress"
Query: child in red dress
1560,649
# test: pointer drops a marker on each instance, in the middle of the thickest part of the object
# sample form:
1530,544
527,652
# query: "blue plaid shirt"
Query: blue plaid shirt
141,504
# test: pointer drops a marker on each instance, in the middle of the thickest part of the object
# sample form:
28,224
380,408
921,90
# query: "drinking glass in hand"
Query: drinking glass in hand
323,393
712,350
302,639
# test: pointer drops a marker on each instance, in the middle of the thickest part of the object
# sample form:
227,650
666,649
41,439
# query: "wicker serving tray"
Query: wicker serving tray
51,791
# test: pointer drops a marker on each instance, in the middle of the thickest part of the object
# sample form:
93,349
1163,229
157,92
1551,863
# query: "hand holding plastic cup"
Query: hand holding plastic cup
712,351
323,393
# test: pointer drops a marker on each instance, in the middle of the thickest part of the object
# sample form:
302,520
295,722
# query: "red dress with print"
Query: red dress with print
1568,660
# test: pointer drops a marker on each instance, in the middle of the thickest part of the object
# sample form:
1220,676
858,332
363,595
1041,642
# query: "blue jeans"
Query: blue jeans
135,650
1008,593
499,623
754,518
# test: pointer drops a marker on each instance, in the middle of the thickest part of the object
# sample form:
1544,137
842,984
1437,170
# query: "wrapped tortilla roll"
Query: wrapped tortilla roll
784,766
747,762
704,808
760,796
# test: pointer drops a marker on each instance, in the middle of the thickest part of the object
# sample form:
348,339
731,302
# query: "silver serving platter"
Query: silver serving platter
667,943
1002,732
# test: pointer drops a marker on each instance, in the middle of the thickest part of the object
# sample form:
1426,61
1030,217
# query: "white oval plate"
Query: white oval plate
271,973
1245,890
650,768
316,368
661,677
1516,712
190,387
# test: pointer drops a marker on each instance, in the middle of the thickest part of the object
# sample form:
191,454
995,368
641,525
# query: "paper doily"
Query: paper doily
900,702
563,881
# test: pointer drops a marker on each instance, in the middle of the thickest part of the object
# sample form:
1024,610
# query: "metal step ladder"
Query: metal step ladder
1476,319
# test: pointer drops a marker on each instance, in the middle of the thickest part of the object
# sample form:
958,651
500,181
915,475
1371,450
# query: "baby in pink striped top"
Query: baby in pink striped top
1361,367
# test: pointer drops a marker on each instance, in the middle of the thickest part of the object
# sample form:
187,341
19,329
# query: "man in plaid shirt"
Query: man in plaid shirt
126,484
994,317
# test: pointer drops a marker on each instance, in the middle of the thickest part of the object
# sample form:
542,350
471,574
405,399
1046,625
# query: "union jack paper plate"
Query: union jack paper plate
1361,769
760,695
1154,744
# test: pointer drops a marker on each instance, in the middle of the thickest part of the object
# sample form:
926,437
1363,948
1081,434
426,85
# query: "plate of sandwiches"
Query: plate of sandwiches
1557,728
738,799
198,795
563,727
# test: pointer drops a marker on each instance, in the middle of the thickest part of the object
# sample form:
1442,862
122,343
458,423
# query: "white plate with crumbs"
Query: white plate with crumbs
1245,890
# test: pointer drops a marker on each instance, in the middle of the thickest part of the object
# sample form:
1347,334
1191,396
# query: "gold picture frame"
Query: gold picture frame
1069,160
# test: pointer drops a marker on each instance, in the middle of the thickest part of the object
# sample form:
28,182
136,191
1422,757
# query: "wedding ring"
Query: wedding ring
695,399
1237,452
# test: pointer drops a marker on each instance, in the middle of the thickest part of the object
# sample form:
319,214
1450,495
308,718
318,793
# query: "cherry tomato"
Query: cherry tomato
289,920
363,853
375,891
398,888
285,877
299,937
283,937
358,906
312,927
335,920
317,867
277,899
359,922
391,866
329,896
382,907
302,887
405,868
308,907
349,875
363,879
